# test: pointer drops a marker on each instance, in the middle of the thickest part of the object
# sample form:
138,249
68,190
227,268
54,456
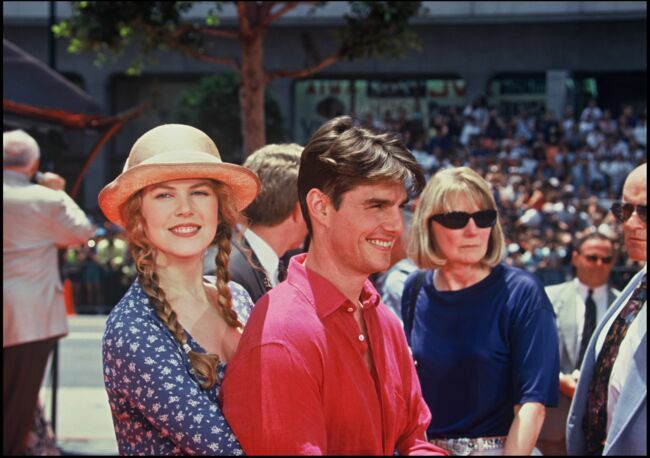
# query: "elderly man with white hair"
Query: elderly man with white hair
38,218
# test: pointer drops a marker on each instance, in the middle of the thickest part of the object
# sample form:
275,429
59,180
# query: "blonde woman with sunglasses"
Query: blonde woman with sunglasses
482,333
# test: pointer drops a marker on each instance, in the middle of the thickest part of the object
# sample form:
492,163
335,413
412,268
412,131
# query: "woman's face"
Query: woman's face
181,218
467,245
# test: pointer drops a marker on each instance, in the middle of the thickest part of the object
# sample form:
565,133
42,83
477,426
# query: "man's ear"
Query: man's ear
319,206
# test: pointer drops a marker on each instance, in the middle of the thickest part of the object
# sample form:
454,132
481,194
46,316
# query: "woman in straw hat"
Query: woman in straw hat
167,341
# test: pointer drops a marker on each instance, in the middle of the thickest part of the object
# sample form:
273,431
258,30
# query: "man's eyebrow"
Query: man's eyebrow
377,201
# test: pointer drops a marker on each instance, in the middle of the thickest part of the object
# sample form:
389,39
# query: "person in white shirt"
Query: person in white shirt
579,305
37,219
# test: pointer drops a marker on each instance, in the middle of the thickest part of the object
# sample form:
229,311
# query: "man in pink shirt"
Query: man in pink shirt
323,367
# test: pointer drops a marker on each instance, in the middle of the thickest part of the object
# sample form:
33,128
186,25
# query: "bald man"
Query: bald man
37,218
608,414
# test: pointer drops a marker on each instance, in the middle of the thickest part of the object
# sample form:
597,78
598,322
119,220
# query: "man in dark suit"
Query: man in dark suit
579,306
276,225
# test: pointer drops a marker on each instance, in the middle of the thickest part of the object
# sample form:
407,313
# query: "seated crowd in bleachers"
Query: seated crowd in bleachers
553,178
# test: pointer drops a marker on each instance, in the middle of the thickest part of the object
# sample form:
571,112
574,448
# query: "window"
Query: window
512,94
381,103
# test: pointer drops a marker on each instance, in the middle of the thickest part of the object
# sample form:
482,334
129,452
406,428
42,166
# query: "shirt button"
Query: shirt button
350,309
362,337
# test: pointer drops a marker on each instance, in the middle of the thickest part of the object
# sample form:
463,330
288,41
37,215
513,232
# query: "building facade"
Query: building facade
519,55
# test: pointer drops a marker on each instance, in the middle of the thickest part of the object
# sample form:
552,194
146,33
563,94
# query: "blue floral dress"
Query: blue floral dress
158,407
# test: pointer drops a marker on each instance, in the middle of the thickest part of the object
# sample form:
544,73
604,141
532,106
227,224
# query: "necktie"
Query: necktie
594,423
282,271
589,325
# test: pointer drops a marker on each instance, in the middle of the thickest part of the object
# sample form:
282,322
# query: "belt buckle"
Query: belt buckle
462,446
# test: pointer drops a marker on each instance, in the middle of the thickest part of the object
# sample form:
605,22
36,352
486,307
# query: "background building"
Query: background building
519,55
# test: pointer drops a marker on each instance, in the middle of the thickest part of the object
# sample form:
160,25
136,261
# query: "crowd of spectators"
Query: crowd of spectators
553,179
100,271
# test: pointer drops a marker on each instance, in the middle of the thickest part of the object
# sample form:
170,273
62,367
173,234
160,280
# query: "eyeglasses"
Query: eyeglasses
458,220
593,258
623,212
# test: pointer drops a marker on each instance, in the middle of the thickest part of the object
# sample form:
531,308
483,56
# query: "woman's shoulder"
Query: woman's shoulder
525,290
241,300
235,288
517,277
132,316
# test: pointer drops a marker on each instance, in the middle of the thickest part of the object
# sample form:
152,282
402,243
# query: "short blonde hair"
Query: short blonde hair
439,196
277,166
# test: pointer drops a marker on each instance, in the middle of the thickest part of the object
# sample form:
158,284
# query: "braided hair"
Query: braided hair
144,253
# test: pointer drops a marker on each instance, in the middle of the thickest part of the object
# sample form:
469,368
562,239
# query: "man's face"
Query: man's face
361,233
593,262
634,229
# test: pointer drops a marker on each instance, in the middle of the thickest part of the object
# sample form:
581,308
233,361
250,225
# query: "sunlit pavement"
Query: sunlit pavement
83,417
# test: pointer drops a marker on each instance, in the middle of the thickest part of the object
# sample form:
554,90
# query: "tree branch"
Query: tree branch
182,30
206,57
266,7
278,14
171,40
327,61
218,33
242,16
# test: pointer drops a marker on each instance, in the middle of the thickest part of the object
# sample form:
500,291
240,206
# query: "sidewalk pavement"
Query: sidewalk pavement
83,418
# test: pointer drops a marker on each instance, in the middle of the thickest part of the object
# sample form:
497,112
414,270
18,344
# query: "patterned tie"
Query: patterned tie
589,325
594,423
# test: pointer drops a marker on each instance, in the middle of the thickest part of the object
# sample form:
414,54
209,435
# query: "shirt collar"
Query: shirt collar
323,294
14,177
264,253
599,291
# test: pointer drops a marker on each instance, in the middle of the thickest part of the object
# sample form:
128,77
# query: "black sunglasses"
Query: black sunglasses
458,220
623,212
594,258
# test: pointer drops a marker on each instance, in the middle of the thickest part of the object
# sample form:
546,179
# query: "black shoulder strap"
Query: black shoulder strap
413,296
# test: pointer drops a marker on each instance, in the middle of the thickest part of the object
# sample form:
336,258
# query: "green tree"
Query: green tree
213,106
374,28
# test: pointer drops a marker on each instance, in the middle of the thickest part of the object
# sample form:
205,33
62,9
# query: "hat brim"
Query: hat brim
243,182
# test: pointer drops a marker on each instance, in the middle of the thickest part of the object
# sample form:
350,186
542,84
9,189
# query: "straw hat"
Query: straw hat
175,152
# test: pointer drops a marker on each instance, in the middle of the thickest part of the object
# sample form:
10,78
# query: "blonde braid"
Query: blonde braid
204,364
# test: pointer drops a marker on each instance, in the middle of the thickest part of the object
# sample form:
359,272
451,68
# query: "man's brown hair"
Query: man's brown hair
342,155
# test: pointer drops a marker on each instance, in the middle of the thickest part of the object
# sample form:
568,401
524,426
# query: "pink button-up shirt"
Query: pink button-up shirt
298,383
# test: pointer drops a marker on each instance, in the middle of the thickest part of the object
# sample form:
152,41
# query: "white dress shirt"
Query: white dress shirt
601,298
265,254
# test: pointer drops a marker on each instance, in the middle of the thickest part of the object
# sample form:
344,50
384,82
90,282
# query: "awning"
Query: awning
26,80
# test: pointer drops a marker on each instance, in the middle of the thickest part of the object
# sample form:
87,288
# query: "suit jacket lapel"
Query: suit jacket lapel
632,395
611,296
567,321
257,269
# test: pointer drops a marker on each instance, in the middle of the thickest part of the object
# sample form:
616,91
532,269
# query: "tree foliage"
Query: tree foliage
373,28
213,106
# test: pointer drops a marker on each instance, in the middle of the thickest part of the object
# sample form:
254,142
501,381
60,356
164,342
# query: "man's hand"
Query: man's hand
51,180
568,383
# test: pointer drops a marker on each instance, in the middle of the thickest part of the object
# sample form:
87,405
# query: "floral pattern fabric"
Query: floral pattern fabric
158,407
